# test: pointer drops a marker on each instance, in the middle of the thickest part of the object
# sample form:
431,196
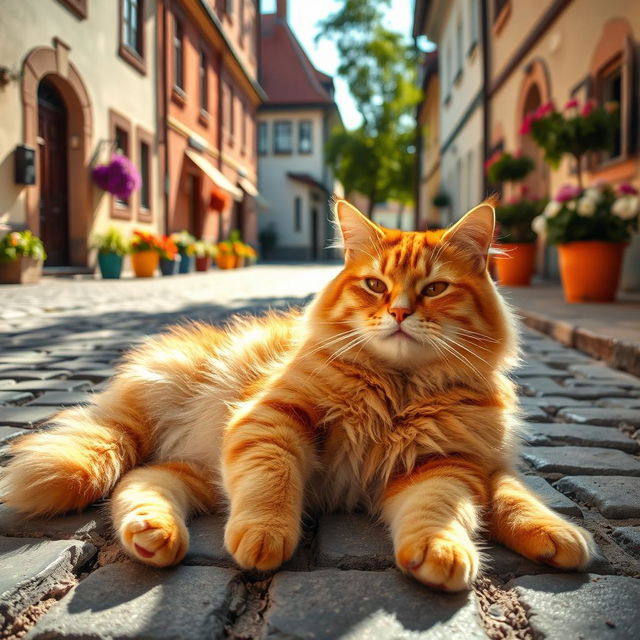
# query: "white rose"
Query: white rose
586,207
552,209
539,225
626,207
594,193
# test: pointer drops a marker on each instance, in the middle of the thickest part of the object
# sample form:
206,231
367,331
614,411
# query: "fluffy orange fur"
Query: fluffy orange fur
388,392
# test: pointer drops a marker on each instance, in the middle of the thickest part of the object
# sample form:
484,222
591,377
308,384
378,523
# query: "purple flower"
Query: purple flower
626,189
567,192
120,177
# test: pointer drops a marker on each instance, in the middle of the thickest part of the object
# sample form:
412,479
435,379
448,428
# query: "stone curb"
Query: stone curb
619,354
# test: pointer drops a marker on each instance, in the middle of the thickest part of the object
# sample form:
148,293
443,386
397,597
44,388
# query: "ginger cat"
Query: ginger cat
389,392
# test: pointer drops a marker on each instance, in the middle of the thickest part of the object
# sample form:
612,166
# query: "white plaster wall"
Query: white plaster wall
110,82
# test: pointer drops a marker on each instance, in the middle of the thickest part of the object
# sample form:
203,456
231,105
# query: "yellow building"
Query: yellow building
77,79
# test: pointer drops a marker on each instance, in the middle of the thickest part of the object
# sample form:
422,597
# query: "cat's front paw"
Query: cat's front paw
556,543
440,562
260,545
157,539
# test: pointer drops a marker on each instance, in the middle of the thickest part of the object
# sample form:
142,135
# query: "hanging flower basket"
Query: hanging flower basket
120,177
218,200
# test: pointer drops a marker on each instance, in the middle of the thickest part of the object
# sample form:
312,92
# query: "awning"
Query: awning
215,174
307,179
251,189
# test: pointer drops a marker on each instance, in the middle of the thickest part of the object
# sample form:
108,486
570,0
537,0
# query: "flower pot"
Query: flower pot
145,263
203,264
239,262
226,261
167,266
22,270
516,266
590,270
186,263
110,265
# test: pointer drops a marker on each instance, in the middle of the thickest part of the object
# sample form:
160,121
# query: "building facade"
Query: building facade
208,51
294,124
78,80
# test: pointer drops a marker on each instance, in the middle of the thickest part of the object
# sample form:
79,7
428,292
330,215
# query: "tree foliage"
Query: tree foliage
377,158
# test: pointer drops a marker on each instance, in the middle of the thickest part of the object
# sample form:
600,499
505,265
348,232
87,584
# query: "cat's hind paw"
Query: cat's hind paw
440,562
262,546
156,539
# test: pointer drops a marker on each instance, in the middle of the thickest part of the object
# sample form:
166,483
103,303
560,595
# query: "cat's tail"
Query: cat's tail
79,459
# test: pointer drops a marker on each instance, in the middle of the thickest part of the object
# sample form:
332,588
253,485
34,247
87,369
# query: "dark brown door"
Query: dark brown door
54,216
195,215
314,234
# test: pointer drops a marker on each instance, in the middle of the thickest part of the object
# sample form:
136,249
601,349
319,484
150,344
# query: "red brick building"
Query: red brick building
208,97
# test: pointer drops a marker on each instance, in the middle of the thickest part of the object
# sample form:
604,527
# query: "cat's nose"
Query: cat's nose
400,313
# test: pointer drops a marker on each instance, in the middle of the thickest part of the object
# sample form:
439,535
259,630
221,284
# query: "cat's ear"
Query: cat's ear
358,232
474,231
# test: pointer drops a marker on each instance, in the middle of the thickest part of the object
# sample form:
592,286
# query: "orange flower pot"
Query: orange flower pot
226,261
145,263
516,266
590,270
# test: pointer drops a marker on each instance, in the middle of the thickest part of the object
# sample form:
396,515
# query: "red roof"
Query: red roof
286,73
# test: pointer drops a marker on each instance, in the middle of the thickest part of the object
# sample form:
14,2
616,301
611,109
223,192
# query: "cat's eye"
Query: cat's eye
376,285
434,289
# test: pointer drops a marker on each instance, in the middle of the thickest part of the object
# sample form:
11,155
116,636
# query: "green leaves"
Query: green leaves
21,243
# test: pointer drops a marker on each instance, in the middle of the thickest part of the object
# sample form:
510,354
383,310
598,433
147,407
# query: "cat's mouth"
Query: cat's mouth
400,334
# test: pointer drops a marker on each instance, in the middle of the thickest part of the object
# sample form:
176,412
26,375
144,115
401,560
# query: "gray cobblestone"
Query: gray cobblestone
613,496
60,399
577,607
560,433
609,416
584,460
38,386
552,498
367,604
25,416
629,538
32,374
11,396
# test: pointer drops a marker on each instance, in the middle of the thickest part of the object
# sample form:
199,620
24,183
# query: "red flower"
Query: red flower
627,189
524,190
589,106
525,128
572,104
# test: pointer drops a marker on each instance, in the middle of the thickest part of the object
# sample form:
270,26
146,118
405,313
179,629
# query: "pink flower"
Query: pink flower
567,192
525,128
524,190
627,189
513,200
572,104
589,106
518,153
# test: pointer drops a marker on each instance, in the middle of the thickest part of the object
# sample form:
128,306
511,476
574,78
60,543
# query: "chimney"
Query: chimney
281,9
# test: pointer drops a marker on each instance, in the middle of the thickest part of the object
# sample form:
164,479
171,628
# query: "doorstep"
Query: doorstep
67,272
607,331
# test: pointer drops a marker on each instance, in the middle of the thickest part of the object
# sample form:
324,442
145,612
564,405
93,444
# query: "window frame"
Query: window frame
177,67
136,59
263,127
121,210
77,7
474,26
301,123
145,214
276,124
203,80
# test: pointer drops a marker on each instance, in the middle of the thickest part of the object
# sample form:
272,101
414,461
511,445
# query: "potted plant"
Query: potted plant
591,228
112,247
204,253
119,177
505,167
225,259
168,256
251,255
185,243
145,253
21,258
516,240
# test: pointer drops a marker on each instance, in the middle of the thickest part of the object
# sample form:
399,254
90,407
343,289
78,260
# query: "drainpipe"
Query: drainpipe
165,114
486,97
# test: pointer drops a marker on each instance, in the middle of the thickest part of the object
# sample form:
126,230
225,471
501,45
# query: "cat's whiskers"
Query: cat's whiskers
456,354
453,342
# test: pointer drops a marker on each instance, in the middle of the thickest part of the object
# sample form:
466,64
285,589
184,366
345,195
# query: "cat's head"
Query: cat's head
416,298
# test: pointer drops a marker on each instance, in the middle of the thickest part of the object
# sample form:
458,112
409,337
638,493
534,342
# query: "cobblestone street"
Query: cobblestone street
66,578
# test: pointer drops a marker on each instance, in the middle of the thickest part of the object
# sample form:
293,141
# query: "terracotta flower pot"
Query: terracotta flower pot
226,261
22,270
145,263
516,266
203,263
590,270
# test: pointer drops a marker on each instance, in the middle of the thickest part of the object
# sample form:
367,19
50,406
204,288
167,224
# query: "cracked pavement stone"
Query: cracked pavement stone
581,460
613,496
31,569
127,600
384,605
581,607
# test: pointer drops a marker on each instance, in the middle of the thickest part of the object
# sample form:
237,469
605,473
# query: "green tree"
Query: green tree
377,158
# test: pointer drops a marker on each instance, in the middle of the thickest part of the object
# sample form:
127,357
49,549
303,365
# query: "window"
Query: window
611,91
474,23
241,20
263,138
297,214
243,128
232,114
228,6
305,132
204,82
132,33
120,128
178,53
122,141
145,191
282,137
449,73
458,50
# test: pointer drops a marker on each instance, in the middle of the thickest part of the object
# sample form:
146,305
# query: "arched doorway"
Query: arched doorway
538,180
52,170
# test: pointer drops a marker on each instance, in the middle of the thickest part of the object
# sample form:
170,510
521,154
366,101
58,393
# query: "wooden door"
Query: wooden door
194,225
54,215
314,234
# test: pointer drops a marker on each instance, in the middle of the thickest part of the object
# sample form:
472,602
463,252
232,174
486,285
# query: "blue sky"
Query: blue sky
303,17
